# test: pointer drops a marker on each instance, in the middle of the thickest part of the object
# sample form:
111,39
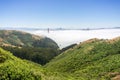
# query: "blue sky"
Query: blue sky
60,13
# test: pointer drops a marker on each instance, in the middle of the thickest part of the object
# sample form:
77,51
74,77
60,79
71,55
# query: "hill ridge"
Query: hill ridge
94,60
21,38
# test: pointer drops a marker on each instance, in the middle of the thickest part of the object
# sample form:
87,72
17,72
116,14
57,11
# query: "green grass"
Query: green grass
93,60
28,46
13,68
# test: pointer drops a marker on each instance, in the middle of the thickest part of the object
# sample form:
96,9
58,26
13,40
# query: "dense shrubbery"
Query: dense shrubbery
45,43
38,55
15,69
27,46
91,60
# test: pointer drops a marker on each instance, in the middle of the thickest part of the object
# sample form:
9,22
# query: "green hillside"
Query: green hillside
28,46
94,59
13,68
91,60
23,39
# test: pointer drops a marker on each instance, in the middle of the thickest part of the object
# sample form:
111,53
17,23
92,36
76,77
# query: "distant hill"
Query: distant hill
94,59
23,39
28,46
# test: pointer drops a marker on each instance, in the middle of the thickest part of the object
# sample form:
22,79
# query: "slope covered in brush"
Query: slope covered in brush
91,60
23,39
27,46
13,68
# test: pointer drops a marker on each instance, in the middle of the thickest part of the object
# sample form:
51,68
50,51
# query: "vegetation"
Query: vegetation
13,68
27,46
22,39
93,59
35,54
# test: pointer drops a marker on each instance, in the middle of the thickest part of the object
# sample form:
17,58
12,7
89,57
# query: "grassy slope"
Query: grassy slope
91,60
23,39
28,46
94,59
13,68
